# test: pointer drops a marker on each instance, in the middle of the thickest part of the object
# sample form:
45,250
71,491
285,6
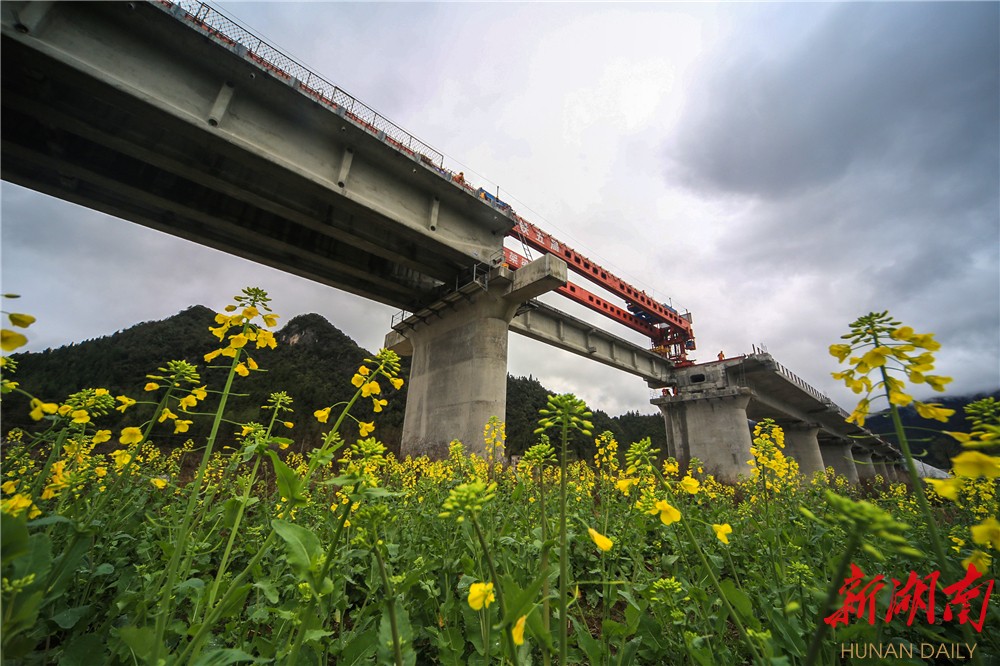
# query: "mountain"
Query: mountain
313,363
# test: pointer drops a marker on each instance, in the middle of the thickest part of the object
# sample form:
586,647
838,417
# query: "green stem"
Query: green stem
817,639
234,530
191,651
306,615
181,545
546,610
563,553
715,581
504,638
918,489
391,603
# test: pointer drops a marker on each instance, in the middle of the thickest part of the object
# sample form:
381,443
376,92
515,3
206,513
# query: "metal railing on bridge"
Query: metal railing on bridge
249,46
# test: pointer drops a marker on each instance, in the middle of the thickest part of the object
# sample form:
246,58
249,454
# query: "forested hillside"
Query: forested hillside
313,363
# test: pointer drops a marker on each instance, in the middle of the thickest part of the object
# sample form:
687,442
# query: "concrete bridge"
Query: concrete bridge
170,115
707,407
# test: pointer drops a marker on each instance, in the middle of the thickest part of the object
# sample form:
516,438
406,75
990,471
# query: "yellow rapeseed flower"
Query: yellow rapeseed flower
933,411
370,388
517,632
151,386
624,485
40,409
242,370
237,341
840,351
80,416
937,383
166,414
18,504
396,382
266,339
946,488
987,533
899,398
158,482
322,414
187,401
366,428
21,320
690,484
101,436
978,559
480,595
121,457
130,435
270,320
181,426
973,464
601,541
722,532
9,340
668,514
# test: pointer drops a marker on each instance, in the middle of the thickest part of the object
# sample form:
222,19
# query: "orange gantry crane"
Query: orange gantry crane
670,332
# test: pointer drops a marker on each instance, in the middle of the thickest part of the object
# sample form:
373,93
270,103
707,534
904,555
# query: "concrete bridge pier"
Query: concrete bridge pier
458,375
880,467
837,454
711,426
801,443
863,463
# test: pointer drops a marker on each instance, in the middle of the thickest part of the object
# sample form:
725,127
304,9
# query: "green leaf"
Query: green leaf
359,648
104,569
68,618
13,537
269,589
386,651
522,600
316,635
139,639
740,602
592,647
223,657
537,629
84,650
289,483
50,520
302,548
628,652
235,604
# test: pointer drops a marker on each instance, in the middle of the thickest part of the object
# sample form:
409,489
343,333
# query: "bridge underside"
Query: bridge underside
128,111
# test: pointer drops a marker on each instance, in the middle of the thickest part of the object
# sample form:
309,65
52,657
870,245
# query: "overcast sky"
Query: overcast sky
776,169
